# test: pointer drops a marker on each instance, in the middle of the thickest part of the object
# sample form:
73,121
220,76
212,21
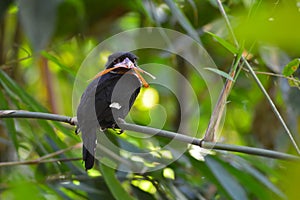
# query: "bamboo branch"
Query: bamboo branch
261,87
37,115
150,131
207,145
218,111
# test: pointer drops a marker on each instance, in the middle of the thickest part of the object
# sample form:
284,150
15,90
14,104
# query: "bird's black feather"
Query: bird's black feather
95,109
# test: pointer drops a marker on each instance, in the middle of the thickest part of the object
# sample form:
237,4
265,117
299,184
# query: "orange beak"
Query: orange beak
127,64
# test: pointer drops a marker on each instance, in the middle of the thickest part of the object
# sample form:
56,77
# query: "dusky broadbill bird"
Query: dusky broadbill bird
108,97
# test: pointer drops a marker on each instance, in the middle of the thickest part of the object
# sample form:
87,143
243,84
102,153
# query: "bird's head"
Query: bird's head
121,63
121,59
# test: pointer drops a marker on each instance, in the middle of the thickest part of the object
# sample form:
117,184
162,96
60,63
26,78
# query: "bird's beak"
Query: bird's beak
127,64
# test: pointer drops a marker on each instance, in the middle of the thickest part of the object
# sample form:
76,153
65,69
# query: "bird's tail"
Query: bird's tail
88,158
89,147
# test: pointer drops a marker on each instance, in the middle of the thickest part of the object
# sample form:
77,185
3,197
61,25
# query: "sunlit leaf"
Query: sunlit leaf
20,92
23,189
33,105
291,67
140,194
58,62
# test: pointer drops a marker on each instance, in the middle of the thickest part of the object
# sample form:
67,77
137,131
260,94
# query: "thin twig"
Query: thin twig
149,131
44,159
221,8
34,162
276,75
60,151
275,110
29,55
16,61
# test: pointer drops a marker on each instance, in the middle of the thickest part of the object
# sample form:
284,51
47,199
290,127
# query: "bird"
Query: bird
107,98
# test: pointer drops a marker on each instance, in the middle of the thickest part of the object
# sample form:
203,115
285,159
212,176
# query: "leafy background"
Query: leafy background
42,45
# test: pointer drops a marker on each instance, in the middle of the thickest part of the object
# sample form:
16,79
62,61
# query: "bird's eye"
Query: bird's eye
116,61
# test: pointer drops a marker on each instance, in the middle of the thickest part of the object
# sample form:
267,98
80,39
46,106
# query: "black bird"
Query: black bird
108,97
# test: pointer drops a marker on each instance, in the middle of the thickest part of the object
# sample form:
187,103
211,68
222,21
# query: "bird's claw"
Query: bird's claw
103,129
77,130
116,128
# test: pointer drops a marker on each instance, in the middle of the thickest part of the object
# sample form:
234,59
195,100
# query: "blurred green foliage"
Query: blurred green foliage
42,45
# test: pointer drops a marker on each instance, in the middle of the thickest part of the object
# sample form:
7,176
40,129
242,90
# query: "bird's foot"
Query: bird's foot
103,129
77,130
117,129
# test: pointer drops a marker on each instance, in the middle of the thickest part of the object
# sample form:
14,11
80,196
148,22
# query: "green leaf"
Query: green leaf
224,43
295,82
38,18
219,72
56,61
183,20
4,5
195,10
227,181
291,67
10,124
32,105
20,92
246,174
176,192
261,178
113,183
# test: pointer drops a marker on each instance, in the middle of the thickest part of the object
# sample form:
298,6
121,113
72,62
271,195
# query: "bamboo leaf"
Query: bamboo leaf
219,72
182,19
38,18
58,63
17,90
34,105
113,183
227,181
224,43
10,124
246,174
261,178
